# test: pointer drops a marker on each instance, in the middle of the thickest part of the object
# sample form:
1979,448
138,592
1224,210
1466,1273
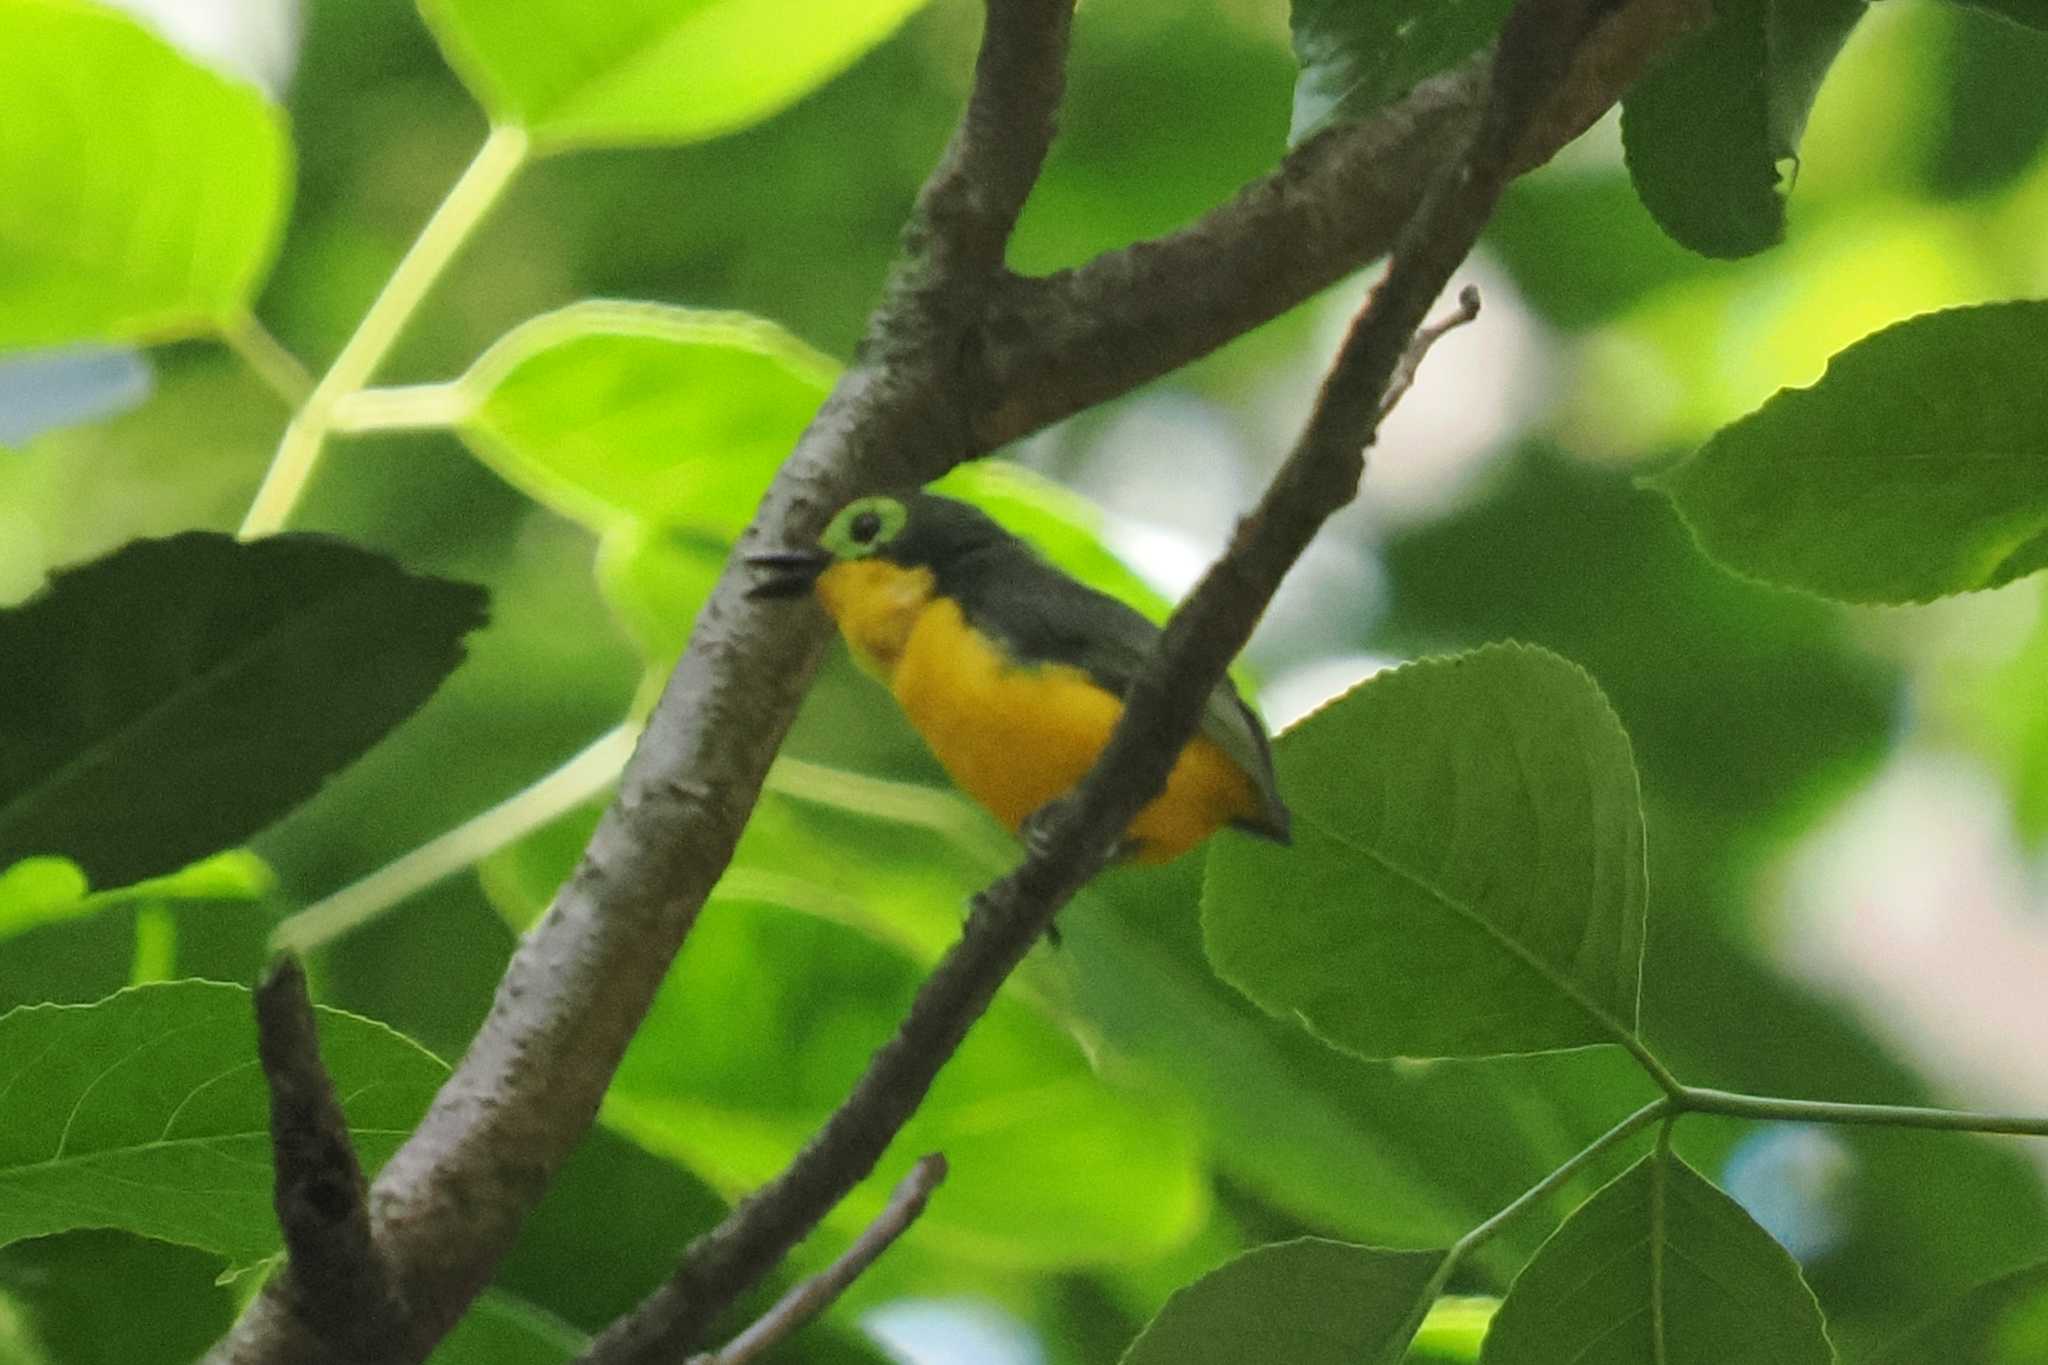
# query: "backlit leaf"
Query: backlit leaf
141,195
651,71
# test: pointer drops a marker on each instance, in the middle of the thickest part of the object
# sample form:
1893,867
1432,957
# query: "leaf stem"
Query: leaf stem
1659,1168
1664,1108
582,777
1692,1099
268,358
156,944
410,407
471,197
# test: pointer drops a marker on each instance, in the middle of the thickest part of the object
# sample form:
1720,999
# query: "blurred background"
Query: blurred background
1847,807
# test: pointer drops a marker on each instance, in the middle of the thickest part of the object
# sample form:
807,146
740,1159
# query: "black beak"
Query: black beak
789,572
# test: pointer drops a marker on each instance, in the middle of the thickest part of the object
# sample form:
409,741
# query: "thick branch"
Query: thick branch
1162,710
1067,342
334,1280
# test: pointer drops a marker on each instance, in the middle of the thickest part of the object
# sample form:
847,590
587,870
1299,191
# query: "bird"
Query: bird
1013,672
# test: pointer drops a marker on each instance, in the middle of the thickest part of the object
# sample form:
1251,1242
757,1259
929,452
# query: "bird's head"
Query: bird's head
918,531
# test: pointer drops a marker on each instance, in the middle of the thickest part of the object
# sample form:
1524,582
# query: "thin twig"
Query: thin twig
813,1296
1418,347
336,1279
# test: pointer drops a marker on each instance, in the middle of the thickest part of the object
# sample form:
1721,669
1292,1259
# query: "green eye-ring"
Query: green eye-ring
864,526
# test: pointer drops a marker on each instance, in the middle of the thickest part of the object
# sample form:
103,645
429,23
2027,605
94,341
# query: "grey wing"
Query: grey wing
1053,617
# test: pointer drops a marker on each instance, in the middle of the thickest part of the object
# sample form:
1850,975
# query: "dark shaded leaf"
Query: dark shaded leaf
2000,1322
1309,1302
1709,131
1728,1291
178,695
1357,55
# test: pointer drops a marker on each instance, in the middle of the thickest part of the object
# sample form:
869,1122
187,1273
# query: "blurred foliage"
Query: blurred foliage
1125,1121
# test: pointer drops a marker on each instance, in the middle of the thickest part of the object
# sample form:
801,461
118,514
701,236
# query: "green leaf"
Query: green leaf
2032,13
1916,467
1467,870
1308,1302
101,1297
1728,1291
638,72
178,695
610,412
141,195
147,1112
503,1329
1707,131
1357,55
43,890
2000,1322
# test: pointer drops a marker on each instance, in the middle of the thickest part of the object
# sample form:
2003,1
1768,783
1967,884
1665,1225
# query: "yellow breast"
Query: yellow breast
1011,735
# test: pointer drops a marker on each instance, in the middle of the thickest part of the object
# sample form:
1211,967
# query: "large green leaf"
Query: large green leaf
1357,55
181,694
1709,130
147,1112
1467,869
1593,1296
84,1296
1917,466
651,71
1308,1302
141,195
2001,1322
618,412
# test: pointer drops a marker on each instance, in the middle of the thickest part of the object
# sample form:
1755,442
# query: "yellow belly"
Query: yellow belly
1015,737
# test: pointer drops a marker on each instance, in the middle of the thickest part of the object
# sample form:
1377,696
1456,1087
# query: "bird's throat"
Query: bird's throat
876,604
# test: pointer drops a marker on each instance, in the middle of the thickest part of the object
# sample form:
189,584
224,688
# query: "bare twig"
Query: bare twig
1419,346
334,1277
812,1297
1161,711
936,382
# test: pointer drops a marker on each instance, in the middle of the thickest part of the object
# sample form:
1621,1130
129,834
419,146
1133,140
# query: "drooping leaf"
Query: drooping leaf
178,695
1710,131
146,1111
1357,55
141,195
2000,1322
1467,870
607,412
81,1295
1728,1292
1916,467
1307,1302
637,72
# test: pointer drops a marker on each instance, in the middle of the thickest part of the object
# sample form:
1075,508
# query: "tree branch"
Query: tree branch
1071,340
1162,709
816,1294
957,359
334,1279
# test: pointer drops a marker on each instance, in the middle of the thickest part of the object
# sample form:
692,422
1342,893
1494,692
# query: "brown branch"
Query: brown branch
334,1280
815,1295
1162,710
936,381
1069,341
1420,345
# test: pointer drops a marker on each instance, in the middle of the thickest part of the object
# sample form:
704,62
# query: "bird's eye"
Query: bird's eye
865,527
